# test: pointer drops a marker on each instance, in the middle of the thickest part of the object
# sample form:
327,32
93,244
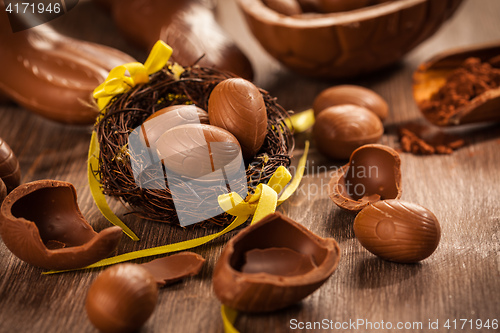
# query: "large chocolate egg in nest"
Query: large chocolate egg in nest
128,111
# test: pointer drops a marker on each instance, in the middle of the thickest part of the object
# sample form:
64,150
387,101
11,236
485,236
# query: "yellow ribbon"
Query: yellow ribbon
118,82
302,121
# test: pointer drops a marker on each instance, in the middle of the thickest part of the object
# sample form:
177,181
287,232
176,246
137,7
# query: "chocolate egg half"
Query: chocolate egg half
238,106
398,231
372,174
41,224
272,264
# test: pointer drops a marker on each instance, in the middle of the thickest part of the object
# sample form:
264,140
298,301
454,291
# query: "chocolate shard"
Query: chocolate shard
175,267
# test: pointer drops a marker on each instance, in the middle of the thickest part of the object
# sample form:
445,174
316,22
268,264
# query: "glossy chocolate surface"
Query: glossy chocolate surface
198,150
372,174
175,267
339,130
51,74
238,106
272,264
3,191
41,224
122,298
10,172
350,94
285,7
398,231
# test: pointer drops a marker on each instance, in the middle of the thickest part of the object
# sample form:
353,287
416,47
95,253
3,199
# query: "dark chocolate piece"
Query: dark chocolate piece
122,298
38,215
51,74
372,174
273,289
339,130
188,26
238,106
398,231
10,172
339,45
175,267
349,94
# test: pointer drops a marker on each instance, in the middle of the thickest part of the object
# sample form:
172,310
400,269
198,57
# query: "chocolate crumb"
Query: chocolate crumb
467,82
421,139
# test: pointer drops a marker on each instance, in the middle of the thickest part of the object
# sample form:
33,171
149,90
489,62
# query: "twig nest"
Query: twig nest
122,298
273,264
372,174
41,224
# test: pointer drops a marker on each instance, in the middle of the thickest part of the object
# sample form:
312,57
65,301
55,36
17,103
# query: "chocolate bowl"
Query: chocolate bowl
41,224
273,264
349,43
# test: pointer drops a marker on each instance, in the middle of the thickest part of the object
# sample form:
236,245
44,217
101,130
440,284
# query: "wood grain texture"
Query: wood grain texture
460,280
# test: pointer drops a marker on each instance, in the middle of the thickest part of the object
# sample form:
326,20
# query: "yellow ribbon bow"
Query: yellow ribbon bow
117,82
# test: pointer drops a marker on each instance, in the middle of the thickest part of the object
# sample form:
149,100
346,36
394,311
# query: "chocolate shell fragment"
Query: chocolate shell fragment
9,167
273,264
173,268
41,224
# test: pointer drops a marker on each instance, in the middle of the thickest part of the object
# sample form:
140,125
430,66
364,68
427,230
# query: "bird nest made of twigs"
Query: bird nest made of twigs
127,111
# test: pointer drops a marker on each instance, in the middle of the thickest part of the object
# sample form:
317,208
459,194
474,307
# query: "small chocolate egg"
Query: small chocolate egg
163,120
350,94
9,167
372,174
339,130
398,231
285,7
273,264
238,106
122,298
41,224
196,150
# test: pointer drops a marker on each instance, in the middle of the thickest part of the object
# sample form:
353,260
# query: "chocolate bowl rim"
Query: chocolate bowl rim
320,20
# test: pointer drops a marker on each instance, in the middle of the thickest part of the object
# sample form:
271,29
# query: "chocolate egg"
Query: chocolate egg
339,130
333,6
398,231
350,94
163,120
3,191
285,7
237,106
198,150
272,264
122,298
372,174
9,167
41,224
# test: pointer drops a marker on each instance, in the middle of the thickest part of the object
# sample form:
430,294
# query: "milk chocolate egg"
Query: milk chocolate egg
398,231
198,150
237,106
41,224
163,120
285,7
273,264
339,130
372,174
9,167
350,94
3,191
122,298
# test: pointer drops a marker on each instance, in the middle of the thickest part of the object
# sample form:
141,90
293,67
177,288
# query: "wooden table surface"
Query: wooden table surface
459,281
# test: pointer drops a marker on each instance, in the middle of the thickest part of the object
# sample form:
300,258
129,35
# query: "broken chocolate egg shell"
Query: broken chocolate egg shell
273,264
398,231
41,224
9,167
3,191
372,174
346,44
122,298
432,74
170,269
285,7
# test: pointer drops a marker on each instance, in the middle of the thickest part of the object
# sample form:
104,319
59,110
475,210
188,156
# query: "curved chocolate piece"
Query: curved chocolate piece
273,264
121,299
285,7
10,172
350,94
372,174
339,130
41,224
170,269
432,75
347,44
53,75
3,191
398,231
238,106
188,26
